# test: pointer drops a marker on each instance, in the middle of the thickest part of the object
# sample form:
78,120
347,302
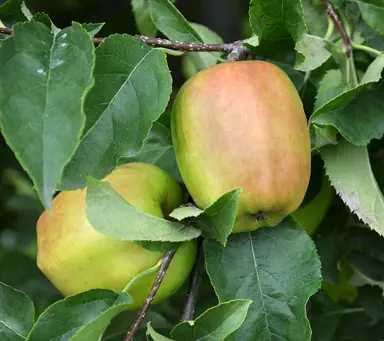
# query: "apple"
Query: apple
242,125
75,257
311,215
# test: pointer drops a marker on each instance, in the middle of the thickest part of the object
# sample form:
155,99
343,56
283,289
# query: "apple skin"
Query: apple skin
242,125
311,215
75,257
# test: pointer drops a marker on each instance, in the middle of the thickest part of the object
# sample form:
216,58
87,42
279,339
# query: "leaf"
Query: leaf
331,86
358,187
132,88
142,15
81,317
356,114
158,150
217,220
47,74
315,17
93,29
314,51
194,62
278,269
367,269
215,324
169,21
276,21
373,13
322,136
128,222
16,314
371,299
11,12
155,336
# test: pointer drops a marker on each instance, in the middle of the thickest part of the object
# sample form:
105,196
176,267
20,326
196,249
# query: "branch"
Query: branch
148,301
346,39
193,290
235,50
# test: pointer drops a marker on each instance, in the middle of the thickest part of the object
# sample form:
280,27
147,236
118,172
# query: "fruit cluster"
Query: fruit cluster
234,125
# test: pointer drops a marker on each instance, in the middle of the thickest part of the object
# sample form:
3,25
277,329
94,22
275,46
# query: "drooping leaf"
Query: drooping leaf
155,336
82,317
11,12
215,324
278,269
43,80
16,314
103,202
357,188
132,88
277,21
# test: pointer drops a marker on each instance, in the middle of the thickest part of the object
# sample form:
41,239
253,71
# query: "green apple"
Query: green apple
242,125
311,215
75,257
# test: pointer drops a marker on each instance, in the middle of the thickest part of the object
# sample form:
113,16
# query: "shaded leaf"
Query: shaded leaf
16,314
155,336
373,13
11,12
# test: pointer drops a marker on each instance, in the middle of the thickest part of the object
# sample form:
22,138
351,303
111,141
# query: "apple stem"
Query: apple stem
194,284
235,50
148,301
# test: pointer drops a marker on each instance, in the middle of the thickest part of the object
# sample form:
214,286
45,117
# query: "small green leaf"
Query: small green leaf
93,29
81,317
11,12
315,17
276,267
331,86
185,212
169,21
16,314
43,79
128,223
155,336
314,50
215,324
357,188
132,88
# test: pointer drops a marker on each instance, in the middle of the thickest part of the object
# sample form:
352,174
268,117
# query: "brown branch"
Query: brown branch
148,301
194,284
235,50
334,17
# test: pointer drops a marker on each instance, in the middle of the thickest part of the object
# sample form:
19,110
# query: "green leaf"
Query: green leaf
155,336
217,220
371,299
356,114
373,13
169,21
194,62
331,86
132,88
215,324
357,187
81,317
93,29
367,270
43,79
322,136
276,21
278,269
158,150
315,17
11,12
314,51
16,314
128,222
